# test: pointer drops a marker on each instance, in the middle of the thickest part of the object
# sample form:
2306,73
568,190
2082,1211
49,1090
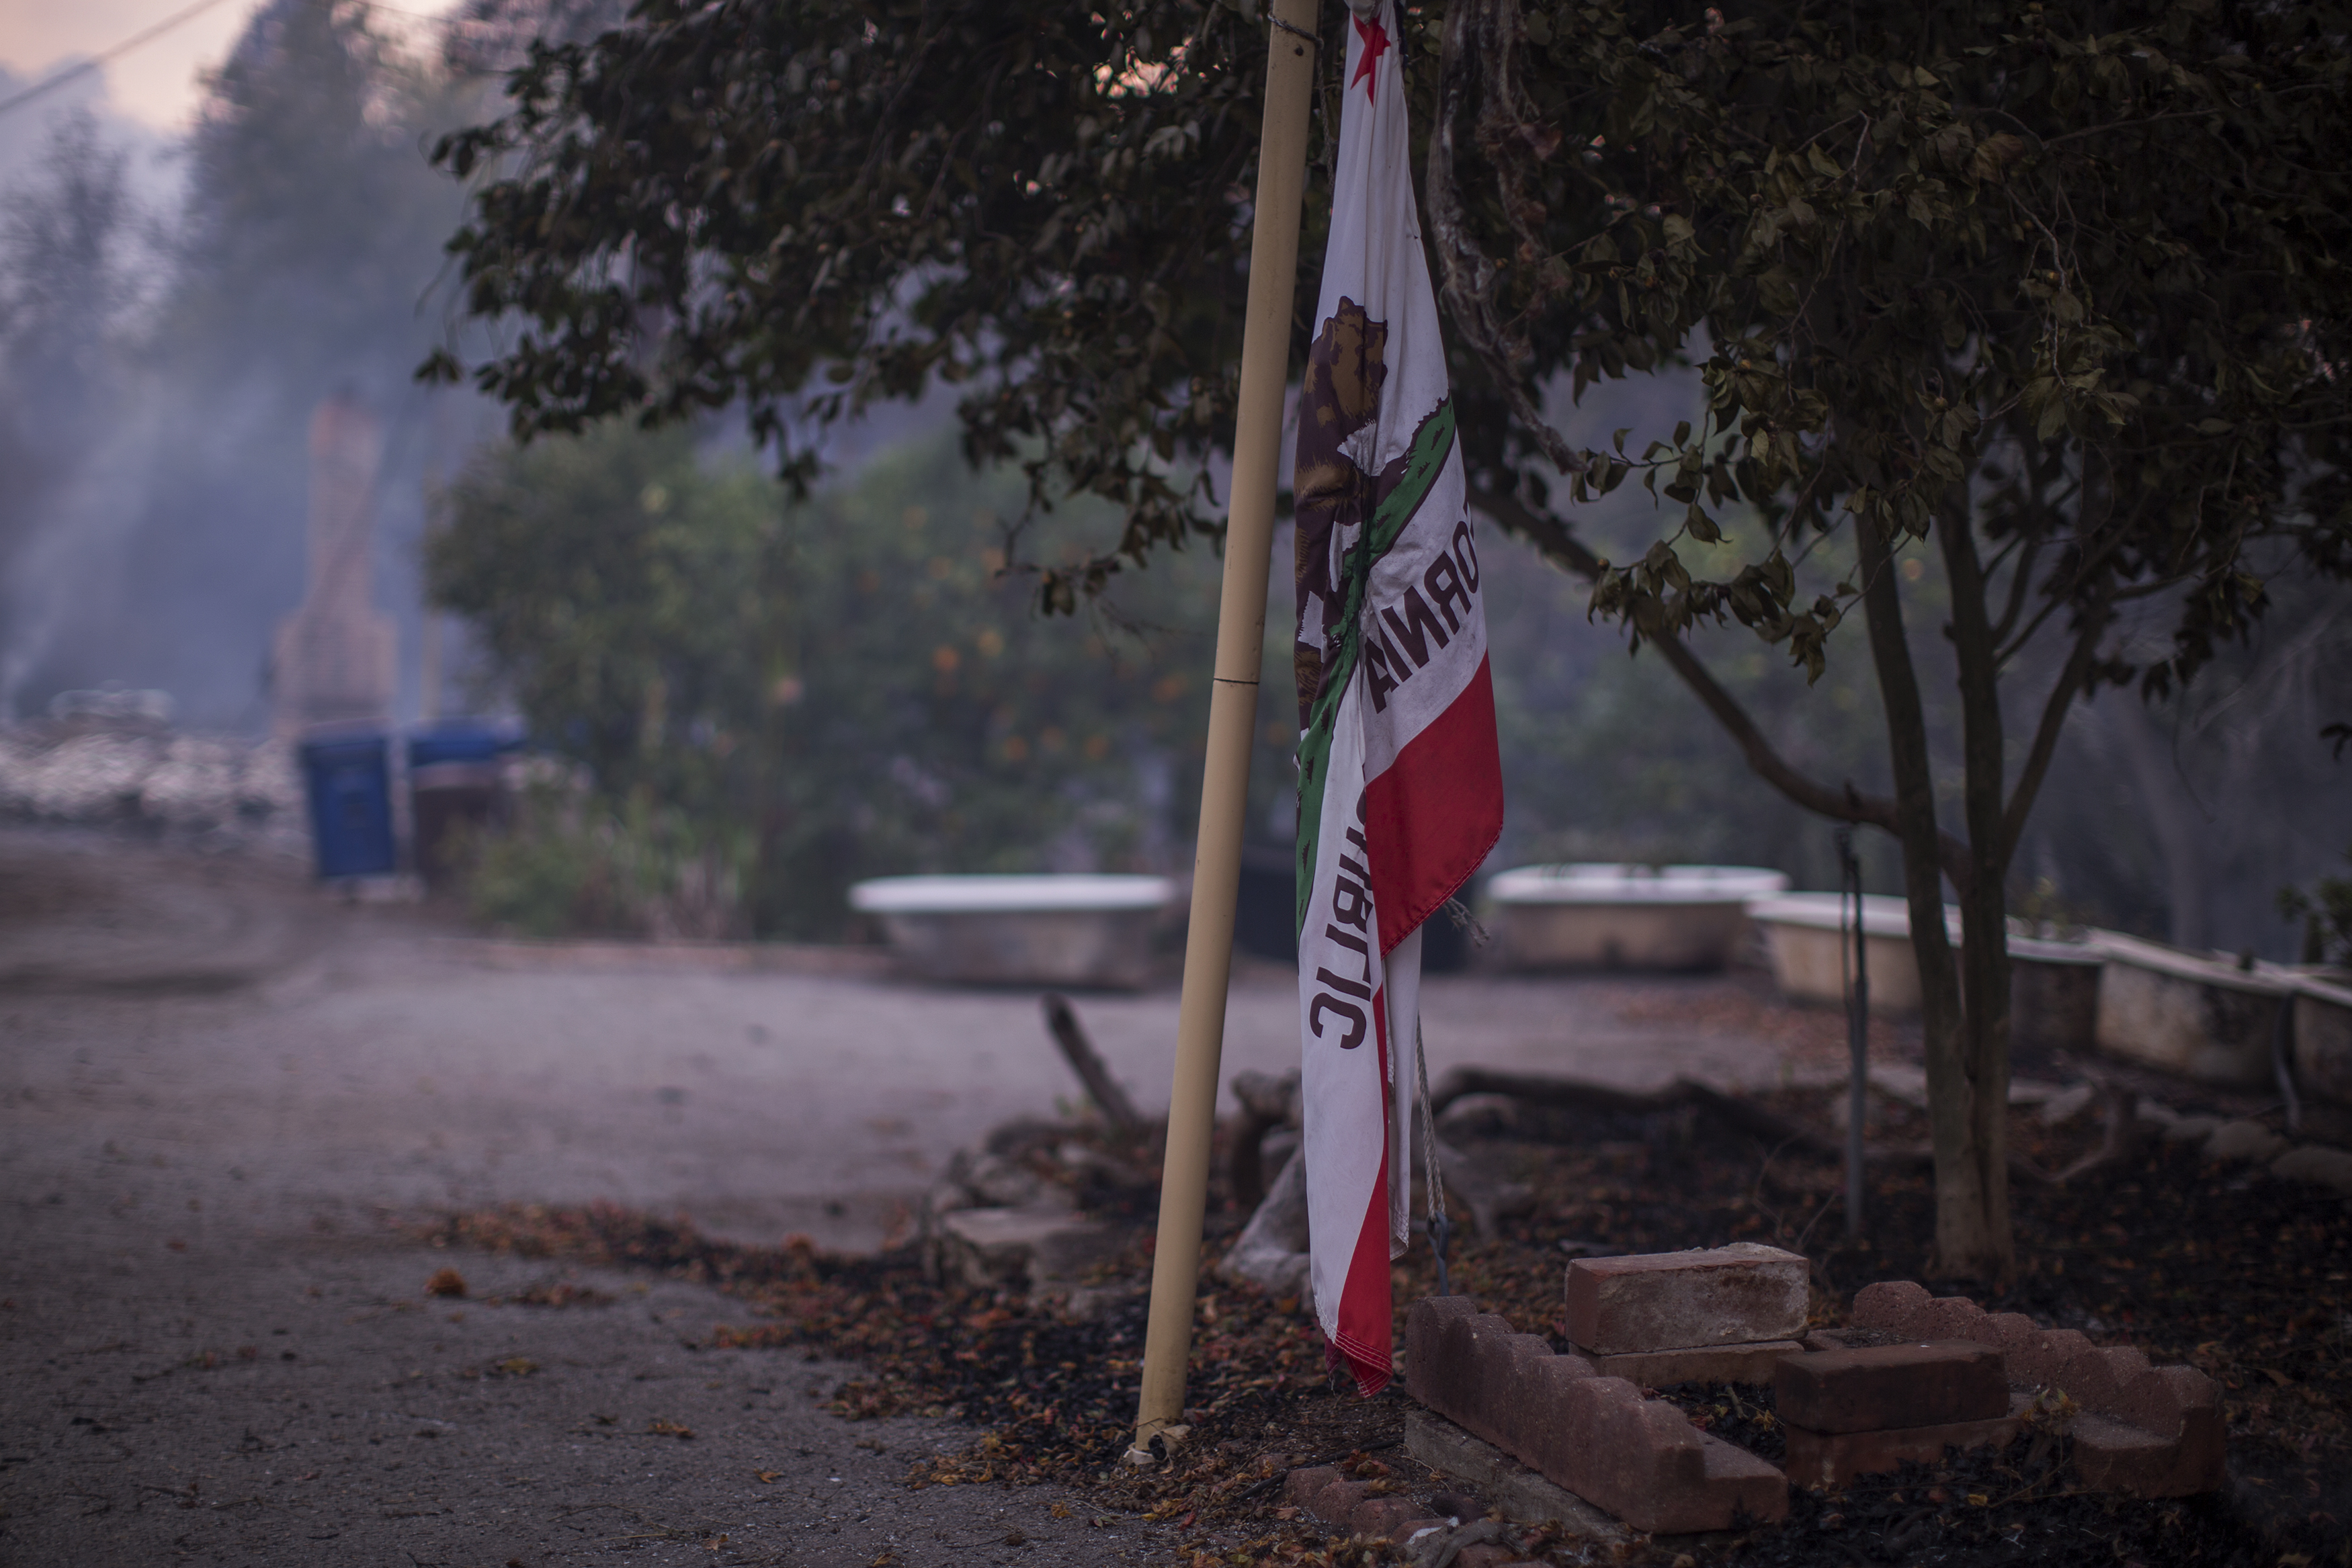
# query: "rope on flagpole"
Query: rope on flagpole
1297,33
1441,1228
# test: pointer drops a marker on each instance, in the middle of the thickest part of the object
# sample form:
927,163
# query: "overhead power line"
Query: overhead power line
117,52
186,14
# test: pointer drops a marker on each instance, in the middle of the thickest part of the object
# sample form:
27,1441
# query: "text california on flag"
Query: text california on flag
1399,790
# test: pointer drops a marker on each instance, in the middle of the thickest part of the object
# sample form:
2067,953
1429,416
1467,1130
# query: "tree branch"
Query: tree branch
2020,583
1467,278
2054,709
1552,536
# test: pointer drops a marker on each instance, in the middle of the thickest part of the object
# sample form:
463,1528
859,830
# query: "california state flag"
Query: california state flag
1400,787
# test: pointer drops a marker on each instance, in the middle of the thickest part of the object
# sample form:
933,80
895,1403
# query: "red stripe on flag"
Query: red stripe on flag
1365,1312
1435,811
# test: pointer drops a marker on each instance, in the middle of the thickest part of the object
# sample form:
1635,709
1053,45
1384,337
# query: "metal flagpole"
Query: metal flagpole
1233,715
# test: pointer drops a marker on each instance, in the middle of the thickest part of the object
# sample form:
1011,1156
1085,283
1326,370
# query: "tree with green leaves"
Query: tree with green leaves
2036,315
769,701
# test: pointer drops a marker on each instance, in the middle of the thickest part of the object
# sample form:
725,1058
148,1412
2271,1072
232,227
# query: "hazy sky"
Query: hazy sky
154,84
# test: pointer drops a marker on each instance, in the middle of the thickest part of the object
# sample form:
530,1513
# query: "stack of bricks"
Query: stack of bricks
1915,1376
1598,1437
2149,1431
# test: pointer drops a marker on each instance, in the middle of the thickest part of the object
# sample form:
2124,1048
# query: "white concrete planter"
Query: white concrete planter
1598,916
2053,994
1802,931
2323,1039
1019,930
2201,1017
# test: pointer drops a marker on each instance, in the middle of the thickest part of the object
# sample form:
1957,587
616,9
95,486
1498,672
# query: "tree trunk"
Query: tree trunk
1971,1216
1983,1059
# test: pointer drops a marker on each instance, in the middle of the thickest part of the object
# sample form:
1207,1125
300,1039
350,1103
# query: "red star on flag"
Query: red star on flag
1375,44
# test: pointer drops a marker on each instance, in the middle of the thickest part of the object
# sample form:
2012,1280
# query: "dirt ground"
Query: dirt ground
227,1101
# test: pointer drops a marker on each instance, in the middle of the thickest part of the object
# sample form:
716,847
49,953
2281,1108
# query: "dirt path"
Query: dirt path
268,1399
221,1091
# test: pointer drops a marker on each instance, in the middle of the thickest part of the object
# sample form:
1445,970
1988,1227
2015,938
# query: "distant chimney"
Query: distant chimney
336,655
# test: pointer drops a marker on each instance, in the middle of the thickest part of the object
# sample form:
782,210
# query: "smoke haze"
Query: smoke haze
172,314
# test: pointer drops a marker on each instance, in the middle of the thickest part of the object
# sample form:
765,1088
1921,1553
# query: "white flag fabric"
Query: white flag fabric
1400,793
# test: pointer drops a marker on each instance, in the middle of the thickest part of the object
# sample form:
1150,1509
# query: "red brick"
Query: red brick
1887,1305
1673,1301
1506,1365
1556,1433
1739,1486
1485,1554
2116,1456
1426,1366
1425,1329
2127,1362
1304,1485
1453,1381
2154,1400
1403,1533
1384,1517
2013,1330
1640,1459
1533,1423
1332,1500
2038,1362
2200,1461
1660,1474
1834,1458
1949,1317
1712,1363
1518,1410
2089,1379
1894,1386
1480,1344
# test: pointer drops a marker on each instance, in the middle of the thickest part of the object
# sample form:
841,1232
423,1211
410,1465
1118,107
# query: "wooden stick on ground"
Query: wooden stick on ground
1062,1021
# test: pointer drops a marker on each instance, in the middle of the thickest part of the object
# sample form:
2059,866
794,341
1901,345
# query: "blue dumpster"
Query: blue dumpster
457,740
350,785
